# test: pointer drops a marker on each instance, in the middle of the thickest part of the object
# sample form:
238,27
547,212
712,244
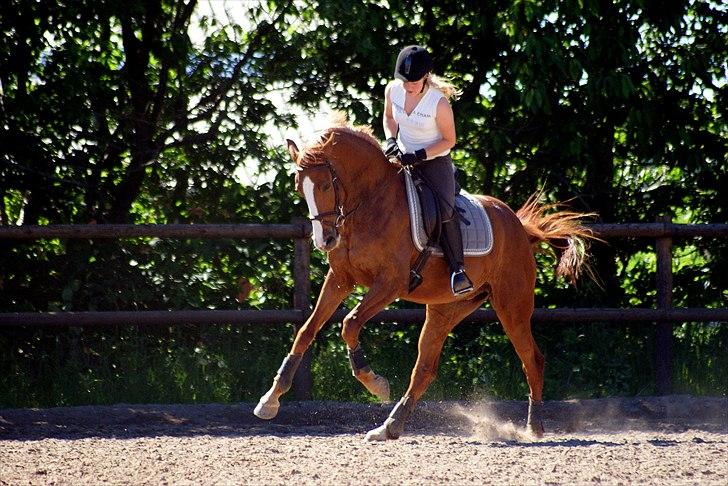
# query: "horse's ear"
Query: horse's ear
292,149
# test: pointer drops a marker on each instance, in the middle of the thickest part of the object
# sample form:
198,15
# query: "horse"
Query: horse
356,198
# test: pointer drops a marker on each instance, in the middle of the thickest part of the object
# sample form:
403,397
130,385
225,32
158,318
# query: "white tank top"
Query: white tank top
417,130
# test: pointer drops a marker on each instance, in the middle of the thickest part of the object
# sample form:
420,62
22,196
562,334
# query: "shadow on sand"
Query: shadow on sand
318,418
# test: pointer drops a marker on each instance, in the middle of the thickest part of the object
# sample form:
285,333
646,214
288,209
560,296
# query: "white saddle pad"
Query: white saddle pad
477,237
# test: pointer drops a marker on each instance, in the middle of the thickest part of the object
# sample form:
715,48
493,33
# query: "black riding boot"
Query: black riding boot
452,246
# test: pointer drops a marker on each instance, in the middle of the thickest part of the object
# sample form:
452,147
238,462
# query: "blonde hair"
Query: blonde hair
450,91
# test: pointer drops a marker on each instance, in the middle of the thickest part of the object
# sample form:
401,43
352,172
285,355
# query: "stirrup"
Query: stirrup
460,283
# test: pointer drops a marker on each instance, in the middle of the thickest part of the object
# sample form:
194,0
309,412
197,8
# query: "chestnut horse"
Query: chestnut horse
360,219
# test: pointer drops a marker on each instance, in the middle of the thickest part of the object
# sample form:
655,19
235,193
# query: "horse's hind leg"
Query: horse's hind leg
514,312
441,319
332,293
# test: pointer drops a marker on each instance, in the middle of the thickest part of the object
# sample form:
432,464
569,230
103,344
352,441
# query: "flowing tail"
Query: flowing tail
563,231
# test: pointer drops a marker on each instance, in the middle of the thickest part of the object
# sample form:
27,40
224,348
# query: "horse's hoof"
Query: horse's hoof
536,429
265,410
391,429
378,434
381,386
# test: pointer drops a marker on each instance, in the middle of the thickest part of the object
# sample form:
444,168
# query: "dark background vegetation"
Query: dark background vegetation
110,113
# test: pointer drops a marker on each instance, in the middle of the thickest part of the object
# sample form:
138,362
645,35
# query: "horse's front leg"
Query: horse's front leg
379,296
334,290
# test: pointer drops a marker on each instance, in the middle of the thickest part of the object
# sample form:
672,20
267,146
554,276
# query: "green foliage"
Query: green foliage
700,355
115,114
181,364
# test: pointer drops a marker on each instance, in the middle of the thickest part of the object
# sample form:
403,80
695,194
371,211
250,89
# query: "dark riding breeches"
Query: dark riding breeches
440,174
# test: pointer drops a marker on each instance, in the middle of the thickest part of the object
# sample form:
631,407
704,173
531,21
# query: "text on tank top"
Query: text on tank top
419,129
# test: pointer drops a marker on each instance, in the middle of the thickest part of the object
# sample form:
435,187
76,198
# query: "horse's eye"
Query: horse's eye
326,186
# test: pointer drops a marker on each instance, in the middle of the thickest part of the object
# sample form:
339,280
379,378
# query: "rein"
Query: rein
338,210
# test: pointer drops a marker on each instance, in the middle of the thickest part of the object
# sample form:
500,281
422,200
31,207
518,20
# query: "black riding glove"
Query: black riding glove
391,148
413,158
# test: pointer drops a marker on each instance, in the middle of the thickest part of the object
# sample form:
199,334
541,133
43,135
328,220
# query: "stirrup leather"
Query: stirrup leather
460,283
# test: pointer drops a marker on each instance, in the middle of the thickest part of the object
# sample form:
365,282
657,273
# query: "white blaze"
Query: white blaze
318,230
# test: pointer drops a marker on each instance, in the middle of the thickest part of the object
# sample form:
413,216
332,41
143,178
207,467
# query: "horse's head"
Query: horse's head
317,182
332,197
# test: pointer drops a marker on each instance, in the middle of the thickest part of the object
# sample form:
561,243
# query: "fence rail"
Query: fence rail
119,231
293,316
660,229
302,229
664,316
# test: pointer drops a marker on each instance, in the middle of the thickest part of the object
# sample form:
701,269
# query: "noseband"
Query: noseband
338,212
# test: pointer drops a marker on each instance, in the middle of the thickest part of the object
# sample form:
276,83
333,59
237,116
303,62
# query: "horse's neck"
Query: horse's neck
363,170
371,182
374,190
380,200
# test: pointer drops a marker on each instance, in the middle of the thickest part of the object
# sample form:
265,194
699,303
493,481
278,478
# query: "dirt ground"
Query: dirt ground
667,440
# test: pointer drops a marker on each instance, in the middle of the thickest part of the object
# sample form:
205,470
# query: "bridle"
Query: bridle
338,212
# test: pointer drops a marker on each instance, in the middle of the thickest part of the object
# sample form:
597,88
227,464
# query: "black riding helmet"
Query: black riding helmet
413,63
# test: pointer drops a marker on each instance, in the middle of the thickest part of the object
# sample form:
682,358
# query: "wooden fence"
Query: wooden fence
664,315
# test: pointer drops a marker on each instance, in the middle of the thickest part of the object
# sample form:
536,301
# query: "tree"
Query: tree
111,112
100,97
616,105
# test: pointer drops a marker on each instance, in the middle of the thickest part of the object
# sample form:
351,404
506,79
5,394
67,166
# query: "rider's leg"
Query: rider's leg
440,173
452,247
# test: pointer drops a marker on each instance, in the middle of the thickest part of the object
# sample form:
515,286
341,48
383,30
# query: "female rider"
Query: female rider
420,129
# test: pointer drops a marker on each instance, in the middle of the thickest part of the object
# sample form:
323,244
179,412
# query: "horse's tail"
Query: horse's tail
563,231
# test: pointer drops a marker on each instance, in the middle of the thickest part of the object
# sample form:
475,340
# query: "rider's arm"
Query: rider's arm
390,125
446,124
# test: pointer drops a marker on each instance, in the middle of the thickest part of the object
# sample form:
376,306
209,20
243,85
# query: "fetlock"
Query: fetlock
358,361
398,417
284,377
535,417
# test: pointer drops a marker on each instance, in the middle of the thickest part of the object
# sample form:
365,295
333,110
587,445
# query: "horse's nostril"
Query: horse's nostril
330,240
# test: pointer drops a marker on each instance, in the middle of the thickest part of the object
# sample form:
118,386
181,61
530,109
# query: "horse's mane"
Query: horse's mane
339,125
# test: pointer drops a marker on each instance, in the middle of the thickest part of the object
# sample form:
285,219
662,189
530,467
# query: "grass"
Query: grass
199,364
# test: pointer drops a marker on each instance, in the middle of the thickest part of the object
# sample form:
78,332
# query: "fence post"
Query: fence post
303,380
664,340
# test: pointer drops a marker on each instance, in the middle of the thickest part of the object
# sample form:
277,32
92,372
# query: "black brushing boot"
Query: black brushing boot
452,247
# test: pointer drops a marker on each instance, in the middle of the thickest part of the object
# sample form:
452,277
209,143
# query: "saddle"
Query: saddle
425,224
